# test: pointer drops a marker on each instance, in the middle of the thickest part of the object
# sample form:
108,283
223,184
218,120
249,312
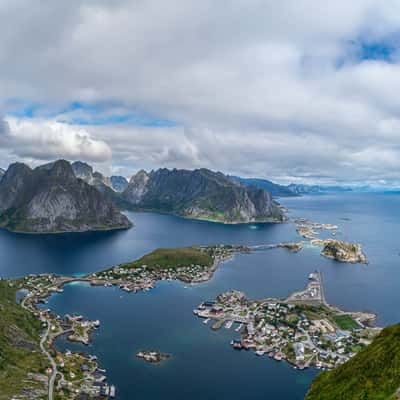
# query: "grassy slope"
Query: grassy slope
19,345
373,374
173,258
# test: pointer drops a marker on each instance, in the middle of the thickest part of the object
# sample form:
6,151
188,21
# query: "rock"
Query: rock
119,183
50,199
201,194
341,251
152,356
294,247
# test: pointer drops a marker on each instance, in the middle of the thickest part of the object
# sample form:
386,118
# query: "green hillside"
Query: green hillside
19,349
173,258
373,374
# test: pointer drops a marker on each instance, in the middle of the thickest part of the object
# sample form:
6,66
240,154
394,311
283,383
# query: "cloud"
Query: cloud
286,90
46,140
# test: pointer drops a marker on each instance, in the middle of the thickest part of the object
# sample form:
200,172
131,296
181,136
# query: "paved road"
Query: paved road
52,362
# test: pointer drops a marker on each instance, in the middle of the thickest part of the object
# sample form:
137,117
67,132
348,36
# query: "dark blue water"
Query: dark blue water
203,365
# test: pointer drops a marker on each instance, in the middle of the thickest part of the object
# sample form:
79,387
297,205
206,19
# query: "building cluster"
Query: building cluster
304,335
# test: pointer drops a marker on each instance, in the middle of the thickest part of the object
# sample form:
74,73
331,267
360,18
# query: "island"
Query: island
337,250
341,251
194,264
152,356
302,329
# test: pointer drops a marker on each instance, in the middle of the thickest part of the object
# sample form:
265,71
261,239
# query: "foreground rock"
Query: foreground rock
51,199
341,251
201,194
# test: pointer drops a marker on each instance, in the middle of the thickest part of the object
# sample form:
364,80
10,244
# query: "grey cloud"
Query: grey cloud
263,88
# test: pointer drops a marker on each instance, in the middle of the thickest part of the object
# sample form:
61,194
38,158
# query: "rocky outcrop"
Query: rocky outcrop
119,183
341,251
201,194
85,172
2,172
51,199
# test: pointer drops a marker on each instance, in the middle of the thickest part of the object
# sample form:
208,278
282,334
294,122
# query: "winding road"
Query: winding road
52,362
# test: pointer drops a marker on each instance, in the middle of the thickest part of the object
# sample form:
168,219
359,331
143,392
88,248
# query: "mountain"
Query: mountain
50,198
85,171
119,183
200,194
275,189
299,188
374,373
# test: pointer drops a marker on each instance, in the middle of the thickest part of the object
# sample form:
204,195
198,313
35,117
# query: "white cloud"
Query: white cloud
47,139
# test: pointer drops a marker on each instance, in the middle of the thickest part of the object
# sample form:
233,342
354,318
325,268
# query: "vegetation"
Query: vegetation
173,258
373,374
345,322
19,347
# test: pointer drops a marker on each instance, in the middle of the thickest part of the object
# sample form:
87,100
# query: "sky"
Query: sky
292,91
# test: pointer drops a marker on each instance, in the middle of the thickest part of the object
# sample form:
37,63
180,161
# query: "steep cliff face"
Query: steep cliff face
119,183
51,199
200,194
85,172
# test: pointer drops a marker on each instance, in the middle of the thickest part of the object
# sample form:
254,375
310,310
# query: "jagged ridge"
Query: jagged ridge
51,199
201,194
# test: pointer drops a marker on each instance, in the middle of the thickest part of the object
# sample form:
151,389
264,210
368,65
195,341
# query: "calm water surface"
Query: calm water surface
203,365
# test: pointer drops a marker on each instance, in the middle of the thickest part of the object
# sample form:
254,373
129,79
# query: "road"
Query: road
52,362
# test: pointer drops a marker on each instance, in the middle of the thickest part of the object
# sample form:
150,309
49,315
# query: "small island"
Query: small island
341,251
152,356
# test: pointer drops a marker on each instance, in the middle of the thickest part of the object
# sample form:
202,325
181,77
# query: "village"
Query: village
144,275
74,375
302,329
77,375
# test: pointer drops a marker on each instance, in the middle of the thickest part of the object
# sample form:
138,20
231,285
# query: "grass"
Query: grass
345,322
373,374
173,258
19,346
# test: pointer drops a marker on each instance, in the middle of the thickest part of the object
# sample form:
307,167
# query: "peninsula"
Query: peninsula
302,329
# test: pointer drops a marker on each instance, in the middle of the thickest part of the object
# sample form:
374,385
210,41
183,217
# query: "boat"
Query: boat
260,352
206,321
239,328
229,324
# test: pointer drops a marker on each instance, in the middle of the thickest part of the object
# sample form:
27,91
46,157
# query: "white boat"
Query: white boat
260,352
239,328
229,324
206,321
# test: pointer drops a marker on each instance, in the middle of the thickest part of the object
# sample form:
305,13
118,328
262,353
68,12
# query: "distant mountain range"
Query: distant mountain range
201,194
275,189
294,189
50,198
60,197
